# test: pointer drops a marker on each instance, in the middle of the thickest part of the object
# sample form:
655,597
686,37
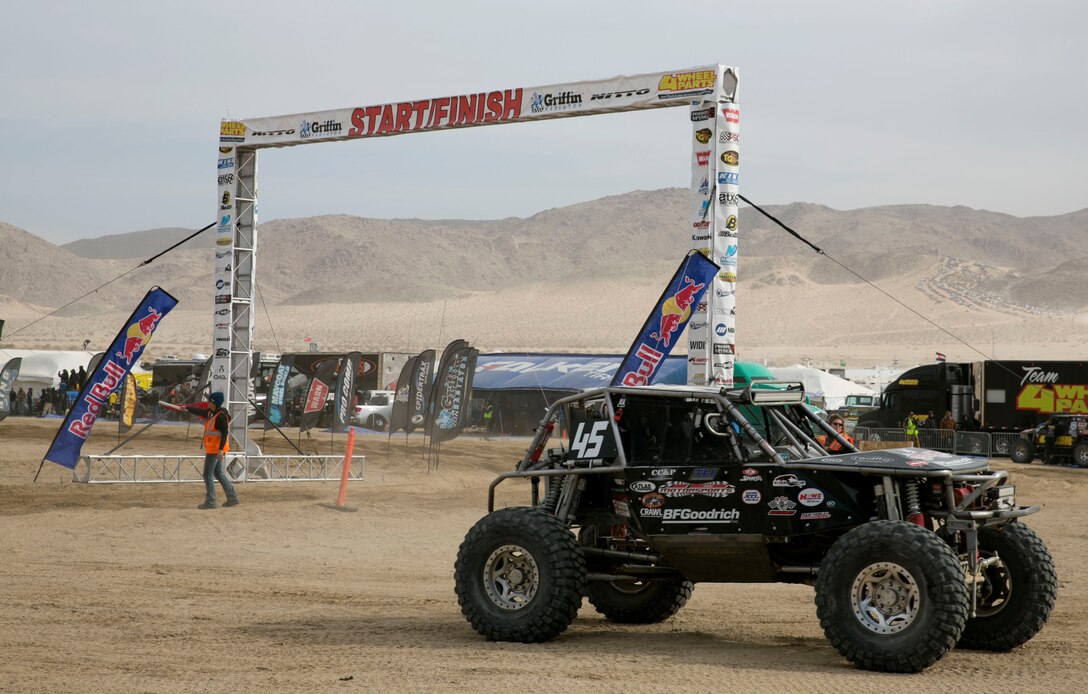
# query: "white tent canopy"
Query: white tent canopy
40,368
821,384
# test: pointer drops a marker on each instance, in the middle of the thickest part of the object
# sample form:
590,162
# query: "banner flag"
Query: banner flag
344,406
670,316
443,364
452,394
123,354
419,392
318,393
398,419
7,377
127,401
275,410
940,357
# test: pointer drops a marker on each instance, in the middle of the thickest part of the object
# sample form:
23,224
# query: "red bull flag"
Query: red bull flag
107,376
670,316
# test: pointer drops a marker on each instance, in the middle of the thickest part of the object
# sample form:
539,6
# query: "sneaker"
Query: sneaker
205,506
231,502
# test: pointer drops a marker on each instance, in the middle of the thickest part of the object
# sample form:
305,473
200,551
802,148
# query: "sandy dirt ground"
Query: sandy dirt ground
129,588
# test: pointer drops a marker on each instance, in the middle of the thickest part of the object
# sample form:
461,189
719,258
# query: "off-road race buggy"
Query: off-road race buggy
912,552
1070,442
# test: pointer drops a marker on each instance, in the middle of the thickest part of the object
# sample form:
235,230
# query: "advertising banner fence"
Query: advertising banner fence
7,376
398,418
276,407
313,404
123,354
419,391
452,395
666,322
344,404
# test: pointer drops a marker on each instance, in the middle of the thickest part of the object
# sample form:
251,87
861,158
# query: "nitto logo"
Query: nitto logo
273,133
619,95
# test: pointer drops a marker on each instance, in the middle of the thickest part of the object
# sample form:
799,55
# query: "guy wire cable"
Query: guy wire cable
260,295
820,251
128,272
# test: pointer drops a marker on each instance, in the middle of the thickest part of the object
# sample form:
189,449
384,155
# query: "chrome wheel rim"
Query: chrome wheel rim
511,577
995,590
885,598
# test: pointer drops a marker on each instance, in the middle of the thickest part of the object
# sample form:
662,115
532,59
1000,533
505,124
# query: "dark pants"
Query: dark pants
213,470
1048,448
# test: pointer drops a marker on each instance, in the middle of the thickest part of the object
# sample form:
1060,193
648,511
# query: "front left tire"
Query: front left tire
520,576
891,597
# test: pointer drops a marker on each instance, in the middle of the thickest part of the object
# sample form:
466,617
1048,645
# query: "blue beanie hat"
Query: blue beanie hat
216,399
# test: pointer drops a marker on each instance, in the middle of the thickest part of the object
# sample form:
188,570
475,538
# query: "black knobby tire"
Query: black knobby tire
647,602
1019,592
882,561
1022,451
379,423
520,576
628,602
1080,454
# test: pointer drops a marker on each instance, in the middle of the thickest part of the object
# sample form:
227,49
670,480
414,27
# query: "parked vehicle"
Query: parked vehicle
911,552
376,410
995,396
1070,443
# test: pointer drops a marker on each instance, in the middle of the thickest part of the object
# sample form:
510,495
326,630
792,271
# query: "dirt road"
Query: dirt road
129,588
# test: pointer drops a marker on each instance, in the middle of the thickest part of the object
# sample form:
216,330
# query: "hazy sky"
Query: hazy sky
111,109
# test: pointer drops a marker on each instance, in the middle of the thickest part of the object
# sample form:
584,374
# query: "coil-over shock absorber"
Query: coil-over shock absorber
912,503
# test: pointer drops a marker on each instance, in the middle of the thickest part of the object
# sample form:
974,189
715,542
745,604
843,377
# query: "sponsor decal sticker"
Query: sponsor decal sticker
688,515
731,158
232,131
815,515
751,496
788,481
650,512
702,114
643,486
782,506
702,158
685,84
701,474
732,115
703,135
727,178
663,472
810,497
653,500
711,489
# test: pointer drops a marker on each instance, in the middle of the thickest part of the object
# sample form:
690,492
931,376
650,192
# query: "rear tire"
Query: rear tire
1080,454
379,423
647,602
519,576
891,597
1022,451
1018,595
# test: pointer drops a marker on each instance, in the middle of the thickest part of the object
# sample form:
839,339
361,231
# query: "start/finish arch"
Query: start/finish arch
709,92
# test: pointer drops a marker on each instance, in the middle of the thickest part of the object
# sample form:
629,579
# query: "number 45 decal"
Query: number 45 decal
589,439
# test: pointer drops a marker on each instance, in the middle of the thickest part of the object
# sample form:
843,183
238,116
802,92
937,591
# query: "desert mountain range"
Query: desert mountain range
583,277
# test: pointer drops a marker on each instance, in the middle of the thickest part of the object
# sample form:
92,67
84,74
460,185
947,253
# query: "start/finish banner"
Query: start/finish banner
517,104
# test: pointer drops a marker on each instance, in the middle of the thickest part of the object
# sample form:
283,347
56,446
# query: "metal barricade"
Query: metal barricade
972,443
877,434
1002,441
937,439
